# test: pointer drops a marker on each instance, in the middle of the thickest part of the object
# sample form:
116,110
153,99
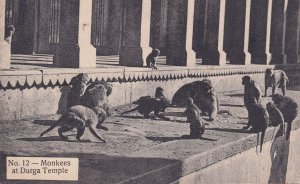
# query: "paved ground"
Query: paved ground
132,142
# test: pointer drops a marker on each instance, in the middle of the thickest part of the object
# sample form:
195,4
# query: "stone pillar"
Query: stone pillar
135,32
260,29
278,30
214,33
74,49
292,49
180,33
236,31
4,45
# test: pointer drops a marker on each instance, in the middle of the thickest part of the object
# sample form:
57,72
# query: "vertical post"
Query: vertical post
74,49
214,33
4,45
180,33
135,33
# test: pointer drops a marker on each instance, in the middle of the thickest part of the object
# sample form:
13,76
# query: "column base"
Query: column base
292,58
75,56
214,58
278,58
240,58
5,54
134,56
177,57
261,58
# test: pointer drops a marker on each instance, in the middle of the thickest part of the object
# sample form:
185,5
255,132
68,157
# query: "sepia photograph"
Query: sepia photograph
149,91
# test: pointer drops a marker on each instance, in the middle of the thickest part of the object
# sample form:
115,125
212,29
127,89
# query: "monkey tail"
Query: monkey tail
288,131
134,109
262,139
59,121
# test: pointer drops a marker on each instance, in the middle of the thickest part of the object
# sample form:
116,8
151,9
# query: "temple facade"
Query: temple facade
218,31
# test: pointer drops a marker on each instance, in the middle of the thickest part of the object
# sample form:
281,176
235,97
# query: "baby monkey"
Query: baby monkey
197,124
151,59
79,117
147,104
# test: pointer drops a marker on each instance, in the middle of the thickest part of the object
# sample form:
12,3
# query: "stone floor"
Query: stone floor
42,61
132,142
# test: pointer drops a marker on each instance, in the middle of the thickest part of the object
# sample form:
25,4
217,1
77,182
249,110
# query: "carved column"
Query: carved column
260,29
180,33
236,32
135,32
74,49
214,33
278,30
159,18
4,45
292,49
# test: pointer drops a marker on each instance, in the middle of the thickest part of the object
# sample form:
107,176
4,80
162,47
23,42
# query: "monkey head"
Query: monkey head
252,100
207,86
246,80
189,101
79,83
277,98
269,71
108,86
155,52
159,92
270,105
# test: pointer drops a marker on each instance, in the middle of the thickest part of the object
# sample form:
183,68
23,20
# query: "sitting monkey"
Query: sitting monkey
151,59
197,125
259,119
275,79
79,84
251,90
96,96
147,104
276,117
79,117
289,109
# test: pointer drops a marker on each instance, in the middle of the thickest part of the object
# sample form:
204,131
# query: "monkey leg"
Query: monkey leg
64,129
289,119
283,89
80,130
94,132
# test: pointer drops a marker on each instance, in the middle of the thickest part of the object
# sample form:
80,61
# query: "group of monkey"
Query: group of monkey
88,105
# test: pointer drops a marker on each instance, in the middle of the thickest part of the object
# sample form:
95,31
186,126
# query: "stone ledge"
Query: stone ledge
59,76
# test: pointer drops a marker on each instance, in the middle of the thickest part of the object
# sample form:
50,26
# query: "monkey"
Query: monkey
276,117
197,125
80,117
251,90
151,59
203,94
289,109
159,93
9,31
275,79
96,96
147,104
259,119
79,85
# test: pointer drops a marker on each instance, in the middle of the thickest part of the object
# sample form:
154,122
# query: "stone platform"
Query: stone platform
151,151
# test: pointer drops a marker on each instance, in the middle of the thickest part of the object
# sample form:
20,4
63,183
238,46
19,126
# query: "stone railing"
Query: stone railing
61,76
